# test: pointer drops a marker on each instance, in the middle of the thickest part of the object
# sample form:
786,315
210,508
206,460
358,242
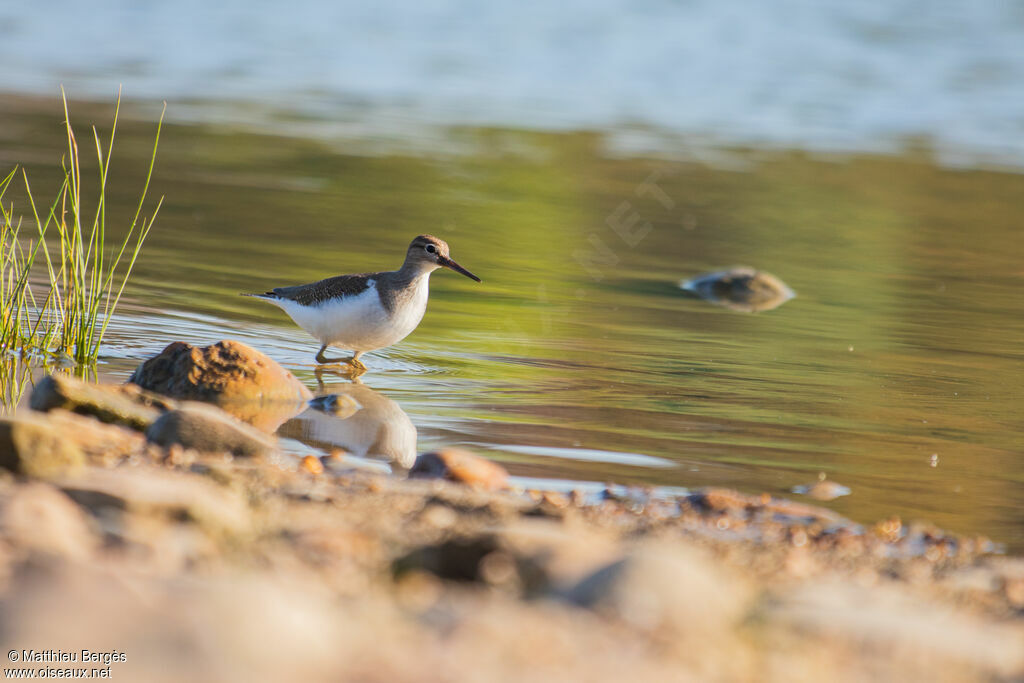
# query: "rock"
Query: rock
38,517
32,446
102,444
152,490
239,379
823,489
456,464
209,429
312,464
112,404
889,618
741,289
457,559
339,405
735,504
668,589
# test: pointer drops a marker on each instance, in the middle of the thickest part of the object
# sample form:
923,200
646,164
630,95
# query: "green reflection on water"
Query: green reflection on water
904,340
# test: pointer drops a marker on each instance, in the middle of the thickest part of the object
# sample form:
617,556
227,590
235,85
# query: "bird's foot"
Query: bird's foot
345,372
356,366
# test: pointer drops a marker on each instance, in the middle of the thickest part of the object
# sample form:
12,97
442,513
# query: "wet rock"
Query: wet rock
243,381
740,289
112,404
735,504
456,464
206,428
32,446
823,489
37,517
339,405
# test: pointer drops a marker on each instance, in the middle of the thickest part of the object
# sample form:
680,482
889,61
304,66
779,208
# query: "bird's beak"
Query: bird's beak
448,263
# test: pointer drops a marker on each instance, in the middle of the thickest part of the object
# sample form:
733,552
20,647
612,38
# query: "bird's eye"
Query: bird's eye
430,249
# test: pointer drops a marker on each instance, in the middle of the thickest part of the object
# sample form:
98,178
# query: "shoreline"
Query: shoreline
254,566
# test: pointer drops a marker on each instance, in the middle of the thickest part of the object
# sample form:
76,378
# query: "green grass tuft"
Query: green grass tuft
86,276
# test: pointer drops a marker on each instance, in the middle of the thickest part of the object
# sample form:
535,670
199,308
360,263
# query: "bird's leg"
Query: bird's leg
324,360
357,366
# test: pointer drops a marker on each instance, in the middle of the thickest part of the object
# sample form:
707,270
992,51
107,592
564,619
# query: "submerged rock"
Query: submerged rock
248,384
740,289
205,428
823,489
32,446
338,405
456,464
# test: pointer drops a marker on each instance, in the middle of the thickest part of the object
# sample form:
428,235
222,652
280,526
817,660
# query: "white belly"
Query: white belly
360,322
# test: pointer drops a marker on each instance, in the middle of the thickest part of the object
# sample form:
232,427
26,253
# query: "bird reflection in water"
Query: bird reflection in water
363,422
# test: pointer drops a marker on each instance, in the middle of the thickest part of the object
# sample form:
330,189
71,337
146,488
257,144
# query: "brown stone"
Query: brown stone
207,428
243,381
456,464
101,443
107,403
32,446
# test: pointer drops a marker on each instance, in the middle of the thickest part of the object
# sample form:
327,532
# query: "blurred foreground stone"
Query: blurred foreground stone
33,447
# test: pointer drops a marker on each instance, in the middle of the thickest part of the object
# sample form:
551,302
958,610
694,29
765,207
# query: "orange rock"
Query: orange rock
246,383
312,464
456,464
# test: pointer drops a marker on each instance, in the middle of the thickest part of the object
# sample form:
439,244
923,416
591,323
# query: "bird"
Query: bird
367,311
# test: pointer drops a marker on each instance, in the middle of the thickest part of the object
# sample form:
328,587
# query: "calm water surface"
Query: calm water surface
897,370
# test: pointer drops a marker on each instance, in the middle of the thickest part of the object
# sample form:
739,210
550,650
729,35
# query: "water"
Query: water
824,75
583,160
901,349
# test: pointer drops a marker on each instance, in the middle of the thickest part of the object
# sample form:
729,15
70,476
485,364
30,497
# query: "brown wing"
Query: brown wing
315,293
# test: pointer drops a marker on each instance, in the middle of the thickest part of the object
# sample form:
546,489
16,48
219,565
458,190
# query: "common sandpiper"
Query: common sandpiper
367,311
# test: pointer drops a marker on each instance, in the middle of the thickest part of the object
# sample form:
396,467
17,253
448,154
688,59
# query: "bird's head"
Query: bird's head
427,250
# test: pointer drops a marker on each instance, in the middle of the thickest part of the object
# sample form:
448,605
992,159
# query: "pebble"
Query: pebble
312,464
456,464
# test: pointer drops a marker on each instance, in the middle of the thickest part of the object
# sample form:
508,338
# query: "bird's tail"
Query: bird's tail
266,296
